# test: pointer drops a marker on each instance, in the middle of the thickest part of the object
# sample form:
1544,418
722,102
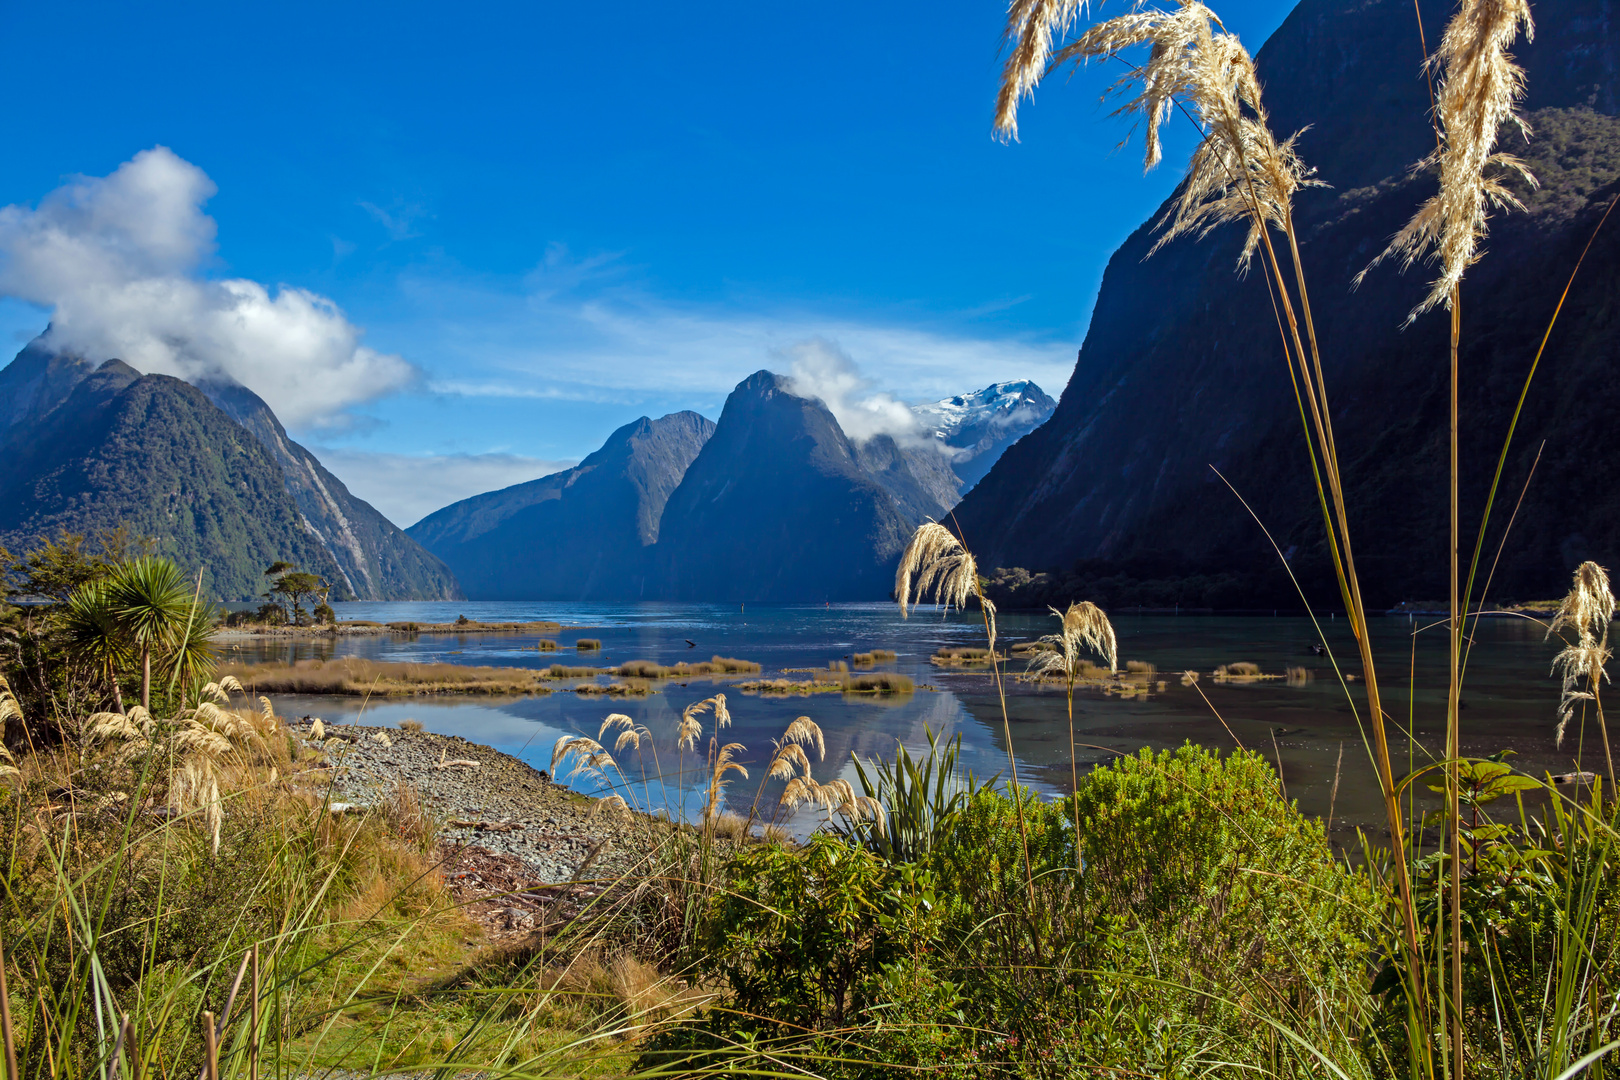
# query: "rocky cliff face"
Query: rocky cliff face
1182,369
583,533
152,453
377,560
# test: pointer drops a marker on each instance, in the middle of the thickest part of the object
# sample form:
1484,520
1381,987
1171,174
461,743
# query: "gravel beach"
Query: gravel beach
484,798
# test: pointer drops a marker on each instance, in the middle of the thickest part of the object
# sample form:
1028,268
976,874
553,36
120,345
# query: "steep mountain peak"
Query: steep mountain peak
577,534
978,427
365,555
778,506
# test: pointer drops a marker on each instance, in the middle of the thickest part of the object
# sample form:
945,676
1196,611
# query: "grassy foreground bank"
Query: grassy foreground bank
162,876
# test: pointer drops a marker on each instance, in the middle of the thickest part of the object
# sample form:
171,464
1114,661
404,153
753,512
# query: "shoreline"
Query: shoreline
368,628
487,800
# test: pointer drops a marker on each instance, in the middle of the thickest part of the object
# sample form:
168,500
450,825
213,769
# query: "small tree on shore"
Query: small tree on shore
290,587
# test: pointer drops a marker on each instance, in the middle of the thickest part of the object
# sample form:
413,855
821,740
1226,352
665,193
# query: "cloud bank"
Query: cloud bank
119,260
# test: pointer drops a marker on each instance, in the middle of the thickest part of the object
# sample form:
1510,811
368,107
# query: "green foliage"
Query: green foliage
825,951
799,934
290,587
1540,905
1194,903
1201,855
921,800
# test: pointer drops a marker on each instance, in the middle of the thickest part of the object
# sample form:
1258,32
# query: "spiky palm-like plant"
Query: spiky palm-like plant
153,603
92,630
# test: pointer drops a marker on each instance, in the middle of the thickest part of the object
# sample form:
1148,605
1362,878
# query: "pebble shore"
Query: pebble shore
484,798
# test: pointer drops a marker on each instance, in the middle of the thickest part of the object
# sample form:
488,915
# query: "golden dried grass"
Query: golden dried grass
358,676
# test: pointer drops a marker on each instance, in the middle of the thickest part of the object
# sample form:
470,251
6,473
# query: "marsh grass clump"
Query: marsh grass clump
613,689
959,655
787,687
1242,671
588,644
565,671
716,665
879,682
876,656
545,645
357,676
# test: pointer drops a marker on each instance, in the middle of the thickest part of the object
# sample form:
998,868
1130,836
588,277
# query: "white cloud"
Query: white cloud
119,260
408,487
582,334
821,369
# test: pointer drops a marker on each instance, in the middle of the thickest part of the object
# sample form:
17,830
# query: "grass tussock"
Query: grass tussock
358,676
588,644
786,687
613,689
876,656
879,682
717,665
564,671
1243,671
963,655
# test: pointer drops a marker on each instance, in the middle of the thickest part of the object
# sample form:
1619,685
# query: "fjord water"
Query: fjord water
1508,702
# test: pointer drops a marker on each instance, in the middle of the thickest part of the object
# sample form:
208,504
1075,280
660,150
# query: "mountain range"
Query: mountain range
773,502
1117,498
206,471
1163,475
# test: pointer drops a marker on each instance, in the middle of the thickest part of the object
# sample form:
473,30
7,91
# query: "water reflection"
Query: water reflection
1312,729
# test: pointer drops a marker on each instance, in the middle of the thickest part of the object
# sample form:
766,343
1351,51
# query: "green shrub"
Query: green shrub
1201,902
825,951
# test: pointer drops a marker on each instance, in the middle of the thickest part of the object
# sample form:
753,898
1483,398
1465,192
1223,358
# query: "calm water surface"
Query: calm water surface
1509,700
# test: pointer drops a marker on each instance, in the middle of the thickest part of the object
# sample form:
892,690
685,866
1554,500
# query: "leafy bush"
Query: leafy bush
825,951
1195,901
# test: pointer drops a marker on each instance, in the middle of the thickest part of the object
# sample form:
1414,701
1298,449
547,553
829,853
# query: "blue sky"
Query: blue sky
483,236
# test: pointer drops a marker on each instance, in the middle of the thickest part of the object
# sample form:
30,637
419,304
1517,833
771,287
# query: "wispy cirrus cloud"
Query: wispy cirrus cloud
588,330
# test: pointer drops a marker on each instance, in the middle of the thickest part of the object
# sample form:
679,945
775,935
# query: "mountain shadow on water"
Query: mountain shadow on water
1182,372
584,533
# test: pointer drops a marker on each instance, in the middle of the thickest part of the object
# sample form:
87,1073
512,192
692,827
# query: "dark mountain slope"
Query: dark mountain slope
578,534
1182,369
378,560
154,453
35,382
777,506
